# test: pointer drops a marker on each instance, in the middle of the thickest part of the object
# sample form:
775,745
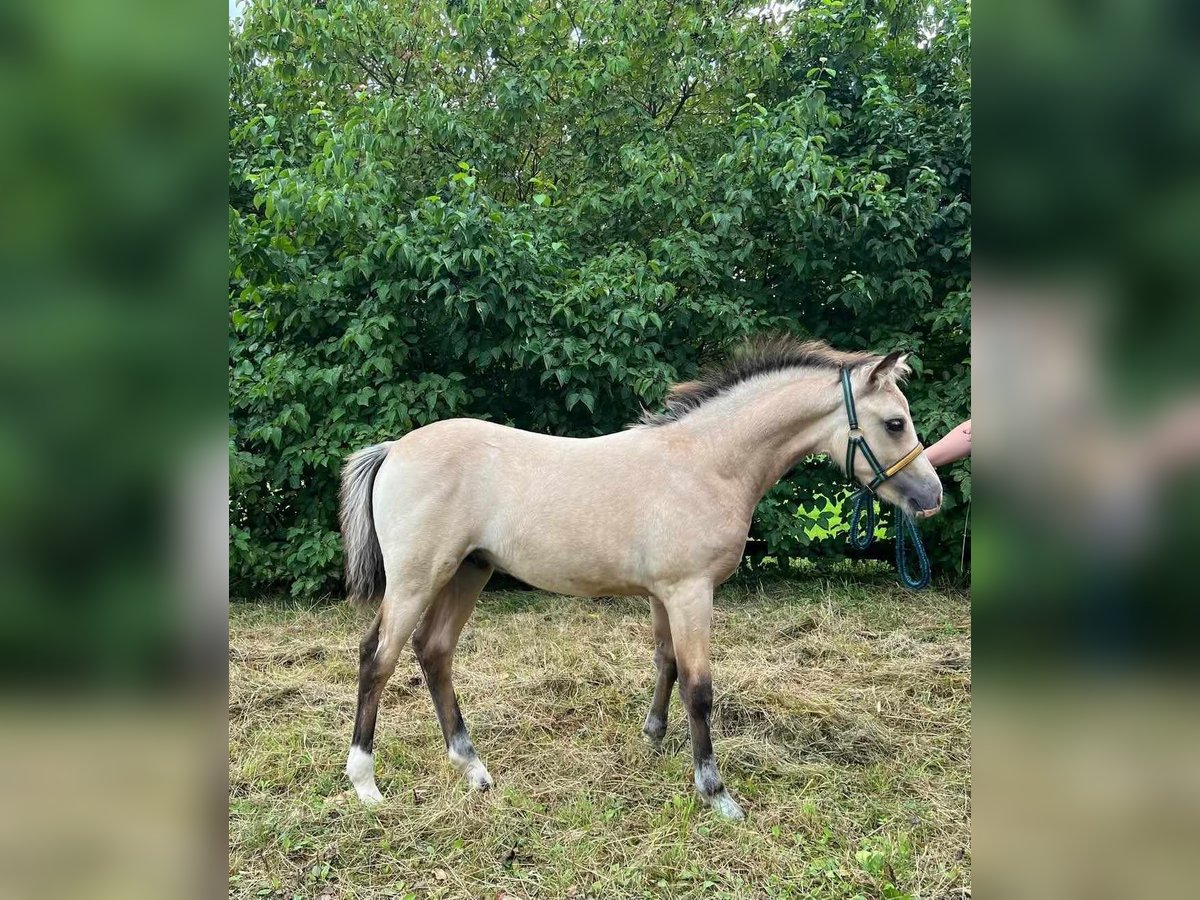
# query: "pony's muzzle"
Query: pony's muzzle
923,504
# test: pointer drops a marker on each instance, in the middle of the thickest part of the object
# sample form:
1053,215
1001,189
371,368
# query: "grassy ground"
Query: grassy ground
841,723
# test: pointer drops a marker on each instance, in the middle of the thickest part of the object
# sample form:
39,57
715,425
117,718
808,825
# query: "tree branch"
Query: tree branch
687,92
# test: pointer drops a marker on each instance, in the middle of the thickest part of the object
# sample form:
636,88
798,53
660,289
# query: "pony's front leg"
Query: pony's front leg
690,612
655,727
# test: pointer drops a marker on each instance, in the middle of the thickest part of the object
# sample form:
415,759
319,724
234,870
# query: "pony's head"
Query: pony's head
885,425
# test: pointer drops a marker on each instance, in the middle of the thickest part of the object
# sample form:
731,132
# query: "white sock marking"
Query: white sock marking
360,767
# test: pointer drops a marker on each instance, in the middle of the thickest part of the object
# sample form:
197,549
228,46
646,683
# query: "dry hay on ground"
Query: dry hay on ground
841,721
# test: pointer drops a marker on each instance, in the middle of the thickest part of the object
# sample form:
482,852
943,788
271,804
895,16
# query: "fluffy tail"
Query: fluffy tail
364,560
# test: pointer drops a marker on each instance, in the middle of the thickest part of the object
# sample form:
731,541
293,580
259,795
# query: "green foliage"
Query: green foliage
544,213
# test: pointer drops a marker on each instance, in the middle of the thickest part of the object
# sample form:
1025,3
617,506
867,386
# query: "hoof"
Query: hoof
369,796
478,778
653,732
725,806
471,767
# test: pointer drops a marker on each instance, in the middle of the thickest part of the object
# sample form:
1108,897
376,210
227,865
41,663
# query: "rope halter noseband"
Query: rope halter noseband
862,513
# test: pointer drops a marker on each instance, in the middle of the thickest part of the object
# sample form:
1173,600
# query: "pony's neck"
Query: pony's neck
752,436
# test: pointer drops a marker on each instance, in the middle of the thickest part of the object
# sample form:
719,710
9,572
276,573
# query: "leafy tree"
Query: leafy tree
542,213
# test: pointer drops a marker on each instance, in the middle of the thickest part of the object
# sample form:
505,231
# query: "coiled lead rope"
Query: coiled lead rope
908,539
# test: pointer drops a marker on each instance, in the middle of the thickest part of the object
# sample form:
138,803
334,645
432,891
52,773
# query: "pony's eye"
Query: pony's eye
894,424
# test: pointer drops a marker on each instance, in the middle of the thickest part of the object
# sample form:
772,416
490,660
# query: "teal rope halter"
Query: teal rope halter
862,508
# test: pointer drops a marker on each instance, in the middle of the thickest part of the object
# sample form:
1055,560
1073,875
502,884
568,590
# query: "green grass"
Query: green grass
841,723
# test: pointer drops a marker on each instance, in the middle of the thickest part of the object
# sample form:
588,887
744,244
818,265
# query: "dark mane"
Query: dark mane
763,356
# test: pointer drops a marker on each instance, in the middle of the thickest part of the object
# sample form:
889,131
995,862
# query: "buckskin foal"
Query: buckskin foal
661,509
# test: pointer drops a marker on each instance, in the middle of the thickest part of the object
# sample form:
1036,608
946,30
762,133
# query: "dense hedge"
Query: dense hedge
542,213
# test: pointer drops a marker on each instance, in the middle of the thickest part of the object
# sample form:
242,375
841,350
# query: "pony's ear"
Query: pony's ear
893,366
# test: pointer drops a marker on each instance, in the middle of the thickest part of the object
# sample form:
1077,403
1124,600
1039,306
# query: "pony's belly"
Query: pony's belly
577,584
551,572
629,561
584,588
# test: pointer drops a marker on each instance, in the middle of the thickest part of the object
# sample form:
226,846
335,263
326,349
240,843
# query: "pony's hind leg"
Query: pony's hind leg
360,764
378,653
434,642
664,659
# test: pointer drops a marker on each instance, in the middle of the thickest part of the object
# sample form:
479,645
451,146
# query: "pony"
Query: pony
661,510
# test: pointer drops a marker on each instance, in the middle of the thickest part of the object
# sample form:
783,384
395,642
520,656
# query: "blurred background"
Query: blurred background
112,448
1085,320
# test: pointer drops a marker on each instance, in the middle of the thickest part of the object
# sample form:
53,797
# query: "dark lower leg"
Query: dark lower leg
434,643
375,666
459,748
697,697
370,686
656,718
664,659
696,690
437,670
